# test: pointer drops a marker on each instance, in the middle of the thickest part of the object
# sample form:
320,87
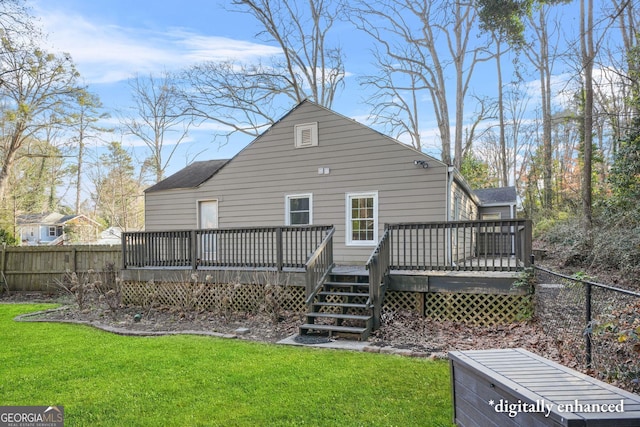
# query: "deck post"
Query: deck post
123,239
279,254
193,237
527,243
587,335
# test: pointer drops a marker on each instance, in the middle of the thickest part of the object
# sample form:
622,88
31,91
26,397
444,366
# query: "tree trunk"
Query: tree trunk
503,143
545,88
586,44
10,158
79,172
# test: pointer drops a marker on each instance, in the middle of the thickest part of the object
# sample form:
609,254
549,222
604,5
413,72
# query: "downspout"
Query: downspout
450,173
447,216
515,230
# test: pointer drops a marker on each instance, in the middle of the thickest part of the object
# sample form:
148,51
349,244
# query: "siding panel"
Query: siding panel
251,189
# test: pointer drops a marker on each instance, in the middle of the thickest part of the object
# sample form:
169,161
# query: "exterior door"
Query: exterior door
207,220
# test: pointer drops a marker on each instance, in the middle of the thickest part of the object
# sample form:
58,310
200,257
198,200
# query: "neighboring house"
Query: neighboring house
315,166
51,228
110,236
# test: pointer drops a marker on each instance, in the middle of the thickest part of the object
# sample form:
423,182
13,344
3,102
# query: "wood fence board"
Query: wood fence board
36,268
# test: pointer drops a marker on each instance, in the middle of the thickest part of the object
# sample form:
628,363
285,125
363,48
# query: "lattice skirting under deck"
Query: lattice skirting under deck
215,297
477,309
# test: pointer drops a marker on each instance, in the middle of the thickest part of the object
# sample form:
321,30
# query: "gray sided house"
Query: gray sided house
315,166
348,220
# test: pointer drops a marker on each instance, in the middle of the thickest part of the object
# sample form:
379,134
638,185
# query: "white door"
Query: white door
208,219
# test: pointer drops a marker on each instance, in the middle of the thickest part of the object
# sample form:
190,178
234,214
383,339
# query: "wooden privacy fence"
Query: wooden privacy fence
255,247
35,268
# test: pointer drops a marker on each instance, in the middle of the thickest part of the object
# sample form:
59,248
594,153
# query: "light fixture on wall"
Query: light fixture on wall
422,163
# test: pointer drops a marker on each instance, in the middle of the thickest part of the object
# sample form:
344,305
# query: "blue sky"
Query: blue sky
112,40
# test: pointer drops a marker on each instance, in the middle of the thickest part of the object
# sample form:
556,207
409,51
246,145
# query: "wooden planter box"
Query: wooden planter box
514,387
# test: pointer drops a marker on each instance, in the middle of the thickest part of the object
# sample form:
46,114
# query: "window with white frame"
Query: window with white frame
306,135
362,218
299,209
52,231
457,208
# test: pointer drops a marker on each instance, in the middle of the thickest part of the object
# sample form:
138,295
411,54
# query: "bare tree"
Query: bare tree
159,119
588,53
248,97
83,121
395,101
408,35
542,55
118,194
37,83
518,132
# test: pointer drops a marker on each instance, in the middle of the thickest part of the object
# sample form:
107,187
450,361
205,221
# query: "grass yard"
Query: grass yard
110,380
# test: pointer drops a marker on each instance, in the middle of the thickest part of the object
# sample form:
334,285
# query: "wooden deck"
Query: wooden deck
514,387
486,282
483,257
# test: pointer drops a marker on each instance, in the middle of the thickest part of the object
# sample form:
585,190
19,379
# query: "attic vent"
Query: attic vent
306,135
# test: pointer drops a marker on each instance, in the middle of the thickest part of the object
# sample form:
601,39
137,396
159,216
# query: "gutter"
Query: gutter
450,173
448,247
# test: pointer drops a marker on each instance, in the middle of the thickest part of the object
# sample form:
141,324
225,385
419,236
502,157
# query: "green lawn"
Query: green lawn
105,379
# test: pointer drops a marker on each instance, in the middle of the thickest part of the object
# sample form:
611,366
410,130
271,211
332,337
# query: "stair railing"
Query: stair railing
378,266
318,267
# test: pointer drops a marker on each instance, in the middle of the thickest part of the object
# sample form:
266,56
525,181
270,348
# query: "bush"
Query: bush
616,247
614,243
7,238
556,229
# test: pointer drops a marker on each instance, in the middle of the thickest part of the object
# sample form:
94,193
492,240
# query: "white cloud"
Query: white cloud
111,53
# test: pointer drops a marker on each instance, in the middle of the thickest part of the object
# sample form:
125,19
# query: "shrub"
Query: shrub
7,238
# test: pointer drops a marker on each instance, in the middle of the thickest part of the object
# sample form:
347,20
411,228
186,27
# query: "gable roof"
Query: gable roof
198,173
370,129
189,177
49,218
497,196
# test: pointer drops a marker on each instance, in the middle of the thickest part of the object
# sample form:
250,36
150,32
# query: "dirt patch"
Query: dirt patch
156,321
401,330
410,331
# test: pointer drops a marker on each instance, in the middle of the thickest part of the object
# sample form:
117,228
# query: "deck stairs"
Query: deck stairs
341,308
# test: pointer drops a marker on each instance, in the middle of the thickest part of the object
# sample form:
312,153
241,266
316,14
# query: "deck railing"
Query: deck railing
249,247
378,267
318,267
492,245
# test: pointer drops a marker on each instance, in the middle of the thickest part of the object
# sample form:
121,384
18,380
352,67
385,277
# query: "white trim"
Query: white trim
348,230
287,207
306,135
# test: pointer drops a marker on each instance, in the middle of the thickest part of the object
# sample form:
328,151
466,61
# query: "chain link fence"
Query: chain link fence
596,327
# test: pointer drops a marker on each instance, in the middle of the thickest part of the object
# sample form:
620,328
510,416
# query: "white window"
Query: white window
457,208
52,231
208,219
299,209
362,219
207,214
306,135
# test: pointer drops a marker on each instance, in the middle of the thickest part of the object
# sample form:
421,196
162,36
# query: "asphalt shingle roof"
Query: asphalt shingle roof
190,177
504,195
